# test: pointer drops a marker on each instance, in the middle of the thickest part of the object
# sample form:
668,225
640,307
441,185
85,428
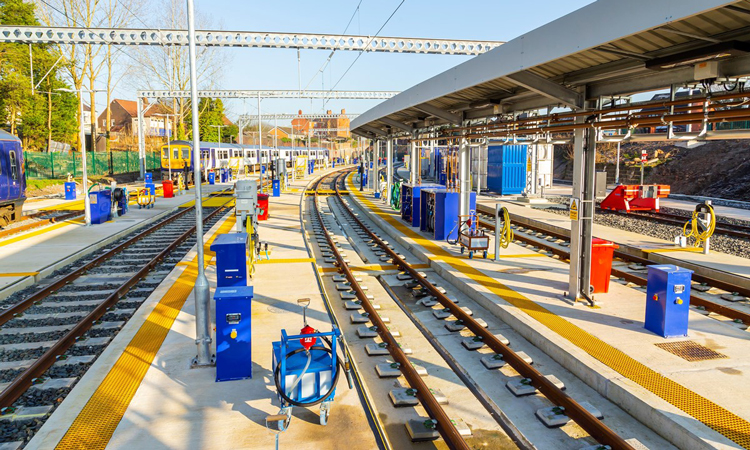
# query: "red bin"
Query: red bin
601,264
263,205
168,188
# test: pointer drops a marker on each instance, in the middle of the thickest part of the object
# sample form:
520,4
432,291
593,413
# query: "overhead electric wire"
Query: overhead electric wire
368,43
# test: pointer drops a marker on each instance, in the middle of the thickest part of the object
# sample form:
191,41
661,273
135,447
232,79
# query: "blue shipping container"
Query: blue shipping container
506,169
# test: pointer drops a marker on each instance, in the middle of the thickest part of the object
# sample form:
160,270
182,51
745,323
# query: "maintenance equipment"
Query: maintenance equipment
120,199
145,198
233,332
470,238
101,204
503,230
635,197
439,209
246,202
702,226
307,366
668,300
506,168
410,203
231,259
70,190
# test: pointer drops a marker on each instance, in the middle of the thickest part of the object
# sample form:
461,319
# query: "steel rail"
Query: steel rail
444,426
709,305
595,427
40,223
25,380
60,282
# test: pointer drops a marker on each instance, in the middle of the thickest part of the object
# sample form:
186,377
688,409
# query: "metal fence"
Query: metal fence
58,165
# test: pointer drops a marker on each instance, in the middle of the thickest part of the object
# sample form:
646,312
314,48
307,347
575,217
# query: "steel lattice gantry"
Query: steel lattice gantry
290,93
248,39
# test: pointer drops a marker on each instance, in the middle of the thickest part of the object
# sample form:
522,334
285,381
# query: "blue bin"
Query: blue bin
101,206
506,169
234,357
668,300
231,259
70,190
276,186
211,178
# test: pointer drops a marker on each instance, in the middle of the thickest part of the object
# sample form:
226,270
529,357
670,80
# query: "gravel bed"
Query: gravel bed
42,397
30,220
725,244
21,430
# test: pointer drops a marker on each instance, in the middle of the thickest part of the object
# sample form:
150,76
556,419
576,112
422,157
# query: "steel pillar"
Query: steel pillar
464,183
201,290
141,139
584,147
388,170
413,161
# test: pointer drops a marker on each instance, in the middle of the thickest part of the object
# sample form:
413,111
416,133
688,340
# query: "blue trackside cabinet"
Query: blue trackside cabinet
410,205
70,190
276,188
506,169
231,259
439,212
233,333
149,177
668,300
101,206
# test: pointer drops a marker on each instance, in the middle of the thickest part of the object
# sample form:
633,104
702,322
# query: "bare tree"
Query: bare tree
168,67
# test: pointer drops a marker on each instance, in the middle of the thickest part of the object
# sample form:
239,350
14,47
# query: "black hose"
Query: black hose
283,395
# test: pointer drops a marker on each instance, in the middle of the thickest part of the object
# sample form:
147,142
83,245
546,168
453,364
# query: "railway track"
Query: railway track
51,337
555,243
38,220
455,318
739,231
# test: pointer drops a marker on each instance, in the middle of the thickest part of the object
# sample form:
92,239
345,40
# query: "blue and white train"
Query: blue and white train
12,179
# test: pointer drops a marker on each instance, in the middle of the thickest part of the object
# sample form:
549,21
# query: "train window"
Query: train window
176,153
13,165
165,153
185,153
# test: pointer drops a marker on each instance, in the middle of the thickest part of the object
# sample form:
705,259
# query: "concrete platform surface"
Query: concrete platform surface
699,404
27,257
181,408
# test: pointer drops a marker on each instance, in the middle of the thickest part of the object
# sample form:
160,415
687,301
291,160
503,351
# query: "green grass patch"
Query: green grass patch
41,184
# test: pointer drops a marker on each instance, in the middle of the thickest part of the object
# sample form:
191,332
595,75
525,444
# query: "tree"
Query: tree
45,115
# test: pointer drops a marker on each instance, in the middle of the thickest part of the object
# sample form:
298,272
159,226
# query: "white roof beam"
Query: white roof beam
547,88
396,124
373,130
439,113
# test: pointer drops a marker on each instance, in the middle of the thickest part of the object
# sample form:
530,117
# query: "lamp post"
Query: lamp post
85,178
169,143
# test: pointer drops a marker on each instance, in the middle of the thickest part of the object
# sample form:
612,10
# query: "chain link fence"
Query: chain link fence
55,165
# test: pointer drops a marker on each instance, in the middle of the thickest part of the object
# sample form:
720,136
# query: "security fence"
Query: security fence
52,165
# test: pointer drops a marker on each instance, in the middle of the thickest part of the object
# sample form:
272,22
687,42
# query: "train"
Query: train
12,179
215,155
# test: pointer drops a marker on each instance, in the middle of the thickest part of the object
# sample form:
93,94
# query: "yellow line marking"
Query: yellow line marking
672,249
73,205
286,261
19,274
211,202
41,231
96,423
527,255
709,413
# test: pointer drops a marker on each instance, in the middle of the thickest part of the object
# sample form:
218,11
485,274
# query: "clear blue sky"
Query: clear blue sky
277,69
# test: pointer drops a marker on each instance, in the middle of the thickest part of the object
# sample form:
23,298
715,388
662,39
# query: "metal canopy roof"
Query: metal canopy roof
599,50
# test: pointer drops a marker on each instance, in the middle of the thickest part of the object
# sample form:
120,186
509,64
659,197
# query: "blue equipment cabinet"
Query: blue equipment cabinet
439,211
276,185
151,188
410,205
70,190
149,177
668,300
211,177
233,333
231,259
101,206
506,169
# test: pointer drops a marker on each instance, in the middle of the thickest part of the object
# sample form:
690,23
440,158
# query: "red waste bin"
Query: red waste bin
263,205
601,264
168,188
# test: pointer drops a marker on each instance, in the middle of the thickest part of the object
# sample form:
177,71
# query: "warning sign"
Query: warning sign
644,156
574,205
528,164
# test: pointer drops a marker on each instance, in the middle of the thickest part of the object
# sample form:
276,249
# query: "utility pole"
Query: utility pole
201,290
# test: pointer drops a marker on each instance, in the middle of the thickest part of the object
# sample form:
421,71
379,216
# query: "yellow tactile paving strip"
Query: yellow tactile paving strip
211,202
39,232
96,423
709,413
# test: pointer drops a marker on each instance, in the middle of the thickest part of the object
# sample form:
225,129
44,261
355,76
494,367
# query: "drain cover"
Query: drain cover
690,351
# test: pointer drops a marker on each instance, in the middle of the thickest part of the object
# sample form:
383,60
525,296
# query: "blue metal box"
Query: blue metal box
70,190
101,206
276,185
231,259
149,177
506,169
410,205
668,300
318,377
439,212
211,177
151,188
233,333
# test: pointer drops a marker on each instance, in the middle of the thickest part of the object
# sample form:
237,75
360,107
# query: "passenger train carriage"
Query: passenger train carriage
12,179
216,155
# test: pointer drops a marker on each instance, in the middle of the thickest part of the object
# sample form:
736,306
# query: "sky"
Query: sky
247,68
